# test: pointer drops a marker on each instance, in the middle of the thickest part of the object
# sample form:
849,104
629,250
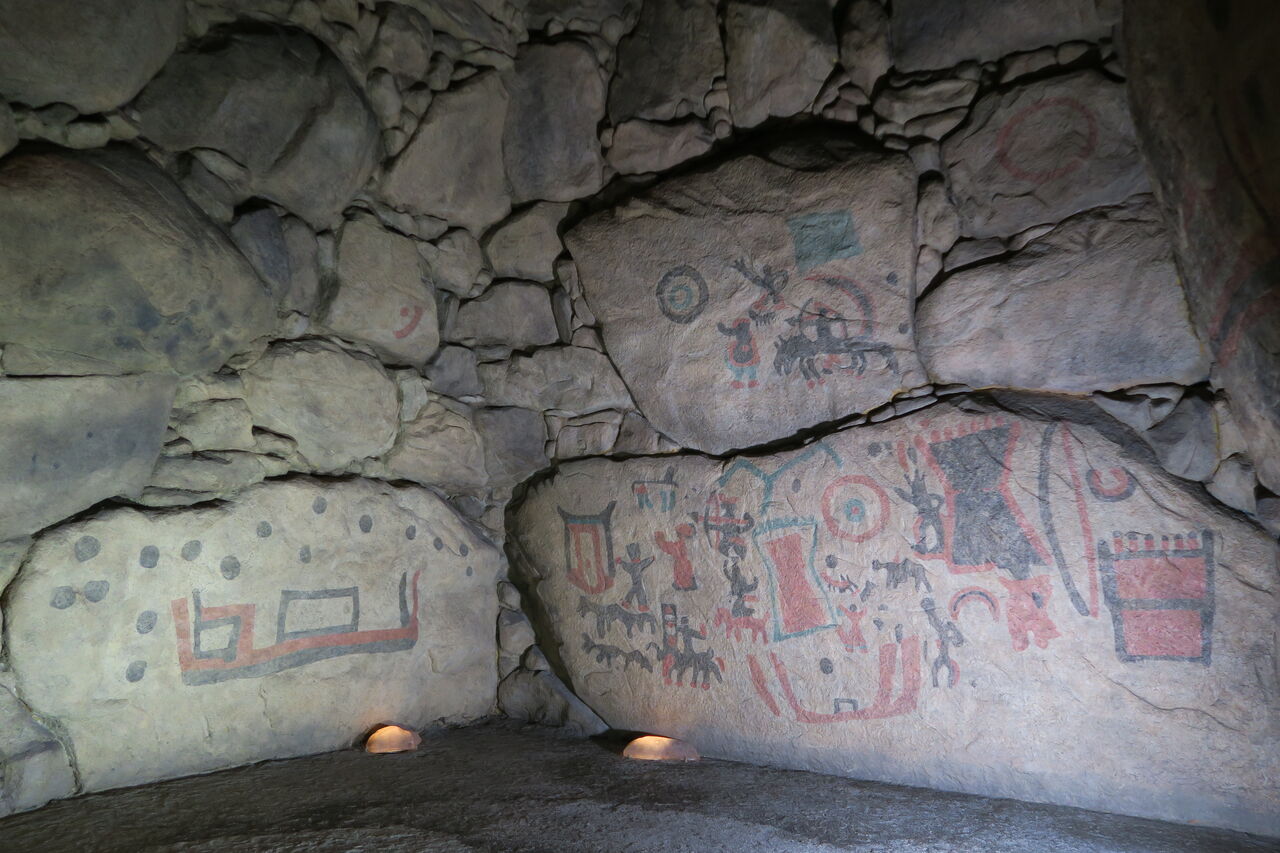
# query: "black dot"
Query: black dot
146,621
304,553
831,561
95,591
319,505
795,484
892,278
191,550
366,523
149,557
230,568
89,434
873,449
438,544
87,548
903,327
826,666
411,532
470,571
63,597
464,550
264,529
135,671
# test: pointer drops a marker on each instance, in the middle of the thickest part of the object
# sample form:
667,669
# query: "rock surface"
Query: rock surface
576,380
453,166
873,600
646,146
549,142
1205,126
1093,305
1042,152
668,62
93,56
779,55
91,245
281,106
384,297
943,33
511,314
36,769
286,623
769,294
337,407
67,443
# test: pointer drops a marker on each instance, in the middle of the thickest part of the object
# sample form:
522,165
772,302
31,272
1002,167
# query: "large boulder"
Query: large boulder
33,765
277,103
105,267
67,443
1209,125
1093,305
550,143
931,34
337,407
769,294
453,166
868,605
1039,153
384,296
93,56
288,622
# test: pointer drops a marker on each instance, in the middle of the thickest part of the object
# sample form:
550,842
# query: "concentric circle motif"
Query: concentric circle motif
682,294
855,508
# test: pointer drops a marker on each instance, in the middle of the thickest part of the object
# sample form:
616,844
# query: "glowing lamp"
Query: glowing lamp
657,748
392,739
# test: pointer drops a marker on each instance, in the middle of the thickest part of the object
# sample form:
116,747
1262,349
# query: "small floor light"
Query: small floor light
392,739
658,748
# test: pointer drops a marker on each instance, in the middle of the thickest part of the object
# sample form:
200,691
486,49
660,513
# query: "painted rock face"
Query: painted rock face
287,623
944,580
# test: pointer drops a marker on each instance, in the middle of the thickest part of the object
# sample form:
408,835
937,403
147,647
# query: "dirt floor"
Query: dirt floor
502,787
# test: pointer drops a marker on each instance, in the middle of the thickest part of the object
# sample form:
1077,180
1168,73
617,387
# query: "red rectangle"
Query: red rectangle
801,609
1163,633
1161,577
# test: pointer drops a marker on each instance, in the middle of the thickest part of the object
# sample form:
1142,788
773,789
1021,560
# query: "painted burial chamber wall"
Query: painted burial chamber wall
885,389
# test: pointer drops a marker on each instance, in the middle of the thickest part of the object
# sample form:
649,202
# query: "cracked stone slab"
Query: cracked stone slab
1094,305
287,622
867,605
761,297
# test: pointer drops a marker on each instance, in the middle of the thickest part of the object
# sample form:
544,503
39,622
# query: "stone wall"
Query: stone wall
309,305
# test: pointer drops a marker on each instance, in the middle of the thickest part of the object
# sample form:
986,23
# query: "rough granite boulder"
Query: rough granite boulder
1039,153
963,598
1093,305
277,103
769,294
93,56
453,167
779,55
575,380
931,34
384,296
668,63
550,144
91,245
288,622
337,407
67,443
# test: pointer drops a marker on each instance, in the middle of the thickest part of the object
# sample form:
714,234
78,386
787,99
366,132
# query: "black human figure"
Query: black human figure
769,280
688,635
928,509
739,589
731,542
634,567
948,635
